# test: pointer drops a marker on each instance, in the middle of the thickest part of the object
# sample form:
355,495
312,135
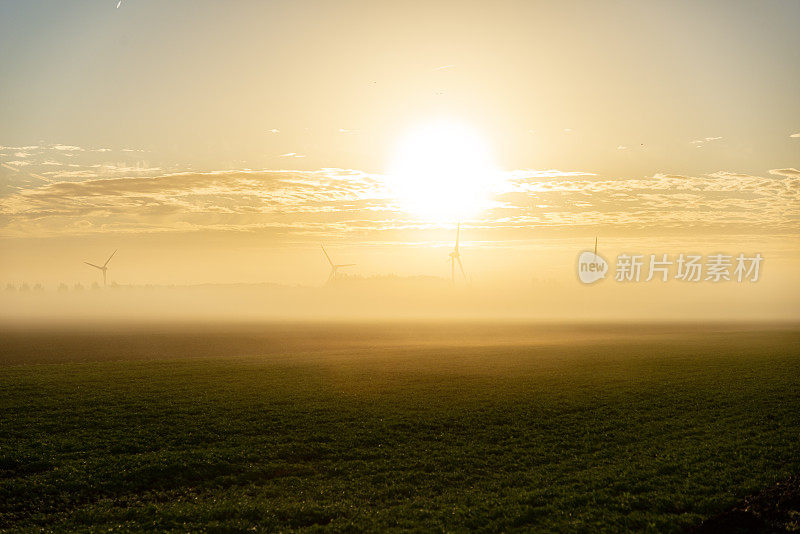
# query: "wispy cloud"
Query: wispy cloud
58,162
701,142
9,167
795,134
237,192
292,155
312,203
791,172
68,148
15,148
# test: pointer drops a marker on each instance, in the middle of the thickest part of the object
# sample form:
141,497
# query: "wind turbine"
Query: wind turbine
595,247
104,268
455,256
334,267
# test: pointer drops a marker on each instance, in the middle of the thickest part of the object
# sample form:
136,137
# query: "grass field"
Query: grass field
370,427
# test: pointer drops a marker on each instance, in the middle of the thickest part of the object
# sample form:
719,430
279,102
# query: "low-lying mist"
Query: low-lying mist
399,298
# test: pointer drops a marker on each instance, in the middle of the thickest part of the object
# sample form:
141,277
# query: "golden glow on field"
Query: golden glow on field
442,171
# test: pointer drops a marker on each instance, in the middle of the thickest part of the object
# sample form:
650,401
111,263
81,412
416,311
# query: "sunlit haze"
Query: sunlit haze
219,143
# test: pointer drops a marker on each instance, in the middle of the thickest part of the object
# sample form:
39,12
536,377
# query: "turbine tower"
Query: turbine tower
455,256
334,267
104,268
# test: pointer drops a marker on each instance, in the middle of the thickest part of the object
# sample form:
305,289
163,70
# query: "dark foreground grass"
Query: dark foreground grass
641,428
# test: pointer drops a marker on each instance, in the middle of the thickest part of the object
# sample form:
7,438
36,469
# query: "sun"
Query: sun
442,172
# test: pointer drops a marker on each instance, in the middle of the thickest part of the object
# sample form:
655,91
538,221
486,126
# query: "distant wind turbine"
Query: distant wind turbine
104,268
334,267
595,247
455,256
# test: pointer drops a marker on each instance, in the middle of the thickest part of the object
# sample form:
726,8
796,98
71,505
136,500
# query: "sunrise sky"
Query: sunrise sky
223,141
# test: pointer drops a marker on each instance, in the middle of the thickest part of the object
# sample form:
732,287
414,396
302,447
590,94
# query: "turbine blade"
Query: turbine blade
458,233
93,265
462,269
326,255
109,258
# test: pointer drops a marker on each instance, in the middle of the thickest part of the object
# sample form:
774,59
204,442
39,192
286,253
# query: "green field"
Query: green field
368,427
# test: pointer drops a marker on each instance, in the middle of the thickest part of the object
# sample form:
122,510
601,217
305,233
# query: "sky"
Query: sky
224,141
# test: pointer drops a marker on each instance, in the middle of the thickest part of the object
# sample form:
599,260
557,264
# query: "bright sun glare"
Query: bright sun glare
442,172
